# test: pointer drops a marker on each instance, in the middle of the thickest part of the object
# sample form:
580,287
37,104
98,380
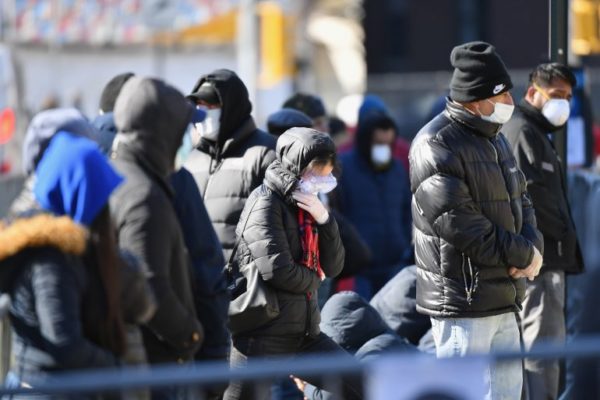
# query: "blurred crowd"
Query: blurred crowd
170,228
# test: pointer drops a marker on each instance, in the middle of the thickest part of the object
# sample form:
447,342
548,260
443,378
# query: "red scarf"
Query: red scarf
309,236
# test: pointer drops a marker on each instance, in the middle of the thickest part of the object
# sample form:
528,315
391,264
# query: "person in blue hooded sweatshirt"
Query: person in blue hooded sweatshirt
374,194
58,256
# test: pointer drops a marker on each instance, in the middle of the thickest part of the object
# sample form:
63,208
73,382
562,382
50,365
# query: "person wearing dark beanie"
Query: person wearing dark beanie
111,92
479,73
475,230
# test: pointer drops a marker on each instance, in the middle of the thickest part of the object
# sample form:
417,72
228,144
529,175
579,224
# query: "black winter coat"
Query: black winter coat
472,216
527,132
271,238
227,171
42,270
143,212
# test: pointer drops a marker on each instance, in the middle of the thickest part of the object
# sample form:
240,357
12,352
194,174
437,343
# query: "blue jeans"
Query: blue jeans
457,337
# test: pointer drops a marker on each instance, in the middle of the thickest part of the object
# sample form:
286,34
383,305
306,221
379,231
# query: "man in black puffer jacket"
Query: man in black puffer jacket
545,109
475,228
231,154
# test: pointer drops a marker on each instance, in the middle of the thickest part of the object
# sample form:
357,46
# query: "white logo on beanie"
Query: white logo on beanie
498,88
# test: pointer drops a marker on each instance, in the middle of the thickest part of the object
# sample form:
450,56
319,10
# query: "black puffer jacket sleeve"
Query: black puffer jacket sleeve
265,236
443,198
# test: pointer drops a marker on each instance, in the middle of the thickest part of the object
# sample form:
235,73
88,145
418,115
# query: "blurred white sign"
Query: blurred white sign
405,377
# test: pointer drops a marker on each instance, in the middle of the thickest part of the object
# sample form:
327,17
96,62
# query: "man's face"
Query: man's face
538,95
383,136
486,106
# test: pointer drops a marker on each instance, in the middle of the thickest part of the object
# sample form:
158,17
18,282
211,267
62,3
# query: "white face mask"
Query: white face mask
381,154
317,184
209,128
556,111
501,115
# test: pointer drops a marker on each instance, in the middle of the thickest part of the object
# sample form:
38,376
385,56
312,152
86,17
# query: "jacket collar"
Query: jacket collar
481,127
537,117
42,230
281,181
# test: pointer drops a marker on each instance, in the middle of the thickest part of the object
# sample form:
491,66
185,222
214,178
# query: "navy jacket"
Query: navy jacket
210,287
377,203
396,302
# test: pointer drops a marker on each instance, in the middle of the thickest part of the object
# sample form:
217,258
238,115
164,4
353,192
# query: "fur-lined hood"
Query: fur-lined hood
42,230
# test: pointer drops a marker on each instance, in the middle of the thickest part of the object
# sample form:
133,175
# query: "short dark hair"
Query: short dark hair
309,104
544,74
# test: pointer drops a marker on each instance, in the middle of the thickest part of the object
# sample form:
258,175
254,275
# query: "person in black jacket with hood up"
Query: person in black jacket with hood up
151,118
289,237
231,154
545,109
475,227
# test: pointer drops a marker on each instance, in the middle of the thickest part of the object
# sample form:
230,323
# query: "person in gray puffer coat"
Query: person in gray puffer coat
231,154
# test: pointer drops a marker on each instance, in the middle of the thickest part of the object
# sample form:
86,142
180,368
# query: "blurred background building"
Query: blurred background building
62,52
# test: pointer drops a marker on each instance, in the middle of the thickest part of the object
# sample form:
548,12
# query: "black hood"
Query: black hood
536,115
151,118
234,99
365,129
460,114
296,148
351,321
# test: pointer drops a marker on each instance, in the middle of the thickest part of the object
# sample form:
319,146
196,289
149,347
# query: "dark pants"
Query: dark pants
245,348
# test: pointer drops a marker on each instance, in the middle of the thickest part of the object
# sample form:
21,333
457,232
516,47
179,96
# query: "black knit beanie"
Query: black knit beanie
479,73
111,91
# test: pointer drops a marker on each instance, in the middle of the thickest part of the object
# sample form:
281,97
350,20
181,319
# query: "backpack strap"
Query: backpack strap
239,239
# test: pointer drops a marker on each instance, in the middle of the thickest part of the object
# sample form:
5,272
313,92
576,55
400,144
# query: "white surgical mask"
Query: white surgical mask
502,113
381,154
317,184
209,128
556,111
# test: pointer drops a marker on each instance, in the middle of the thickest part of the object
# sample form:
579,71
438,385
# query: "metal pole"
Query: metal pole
247,46
558,52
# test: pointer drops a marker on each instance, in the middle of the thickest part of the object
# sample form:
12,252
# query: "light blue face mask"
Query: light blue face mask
318,184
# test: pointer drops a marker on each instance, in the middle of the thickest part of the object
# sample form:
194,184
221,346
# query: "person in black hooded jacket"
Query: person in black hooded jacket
151,118
231,153
286,234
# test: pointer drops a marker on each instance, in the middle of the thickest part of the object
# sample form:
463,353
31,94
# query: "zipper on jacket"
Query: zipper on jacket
560,248
498,162
307,324
471,285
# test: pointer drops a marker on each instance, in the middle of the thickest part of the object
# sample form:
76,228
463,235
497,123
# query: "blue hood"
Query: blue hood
74,178
44,126
372,104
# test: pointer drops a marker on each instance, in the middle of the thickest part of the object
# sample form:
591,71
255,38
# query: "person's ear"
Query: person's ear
530,93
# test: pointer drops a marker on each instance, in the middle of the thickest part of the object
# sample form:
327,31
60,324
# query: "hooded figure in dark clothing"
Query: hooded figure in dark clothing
357,327
152,118
231,154
374,194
